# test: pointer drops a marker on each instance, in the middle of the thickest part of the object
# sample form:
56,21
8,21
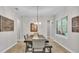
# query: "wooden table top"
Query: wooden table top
31,37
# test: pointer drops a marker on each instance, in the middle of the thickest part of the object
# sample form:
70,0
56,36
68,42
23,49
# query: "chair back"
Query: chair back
38,43
25,37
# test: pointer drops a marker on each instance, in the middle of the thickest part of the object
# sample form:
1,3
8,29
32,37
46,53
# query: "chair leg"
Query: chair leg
43,50
33,50
50,50
26,48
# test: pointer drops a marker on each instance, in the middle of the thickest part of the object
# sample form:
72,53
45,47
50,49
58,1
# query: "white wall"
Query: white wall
9,38
71,42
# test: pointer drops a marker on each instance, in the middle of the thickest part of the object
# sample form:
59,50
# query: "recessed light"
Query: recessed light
16,8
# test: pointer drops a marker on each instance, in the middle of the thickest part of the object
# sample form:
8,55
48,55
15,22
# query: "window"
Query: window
61,26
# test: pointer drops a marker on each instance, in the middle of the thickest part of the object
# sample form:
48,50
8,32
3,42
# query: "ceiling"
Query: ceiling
31,11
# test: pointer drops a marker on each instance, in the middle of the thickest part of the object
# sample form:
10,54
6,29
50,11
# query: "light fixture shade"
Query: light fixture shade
40,23
36,22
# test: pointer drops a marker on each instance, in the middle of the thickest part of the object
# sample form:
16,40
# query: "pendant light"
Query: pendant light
37,22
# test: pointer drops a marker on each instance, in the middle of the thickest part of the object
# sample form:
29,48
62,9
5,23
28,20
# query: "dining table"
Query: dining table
31,37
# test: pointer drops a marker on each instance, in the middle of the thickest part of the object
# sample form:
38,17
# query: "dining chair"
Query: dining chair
48,46
25,37
28,44
38,45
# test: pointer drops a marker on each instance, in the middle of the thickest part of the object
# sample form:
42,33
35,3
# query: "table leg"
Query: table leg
26,47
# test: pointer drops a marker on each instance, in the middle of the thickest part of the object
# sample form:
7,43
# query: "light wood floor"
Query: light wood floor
20,48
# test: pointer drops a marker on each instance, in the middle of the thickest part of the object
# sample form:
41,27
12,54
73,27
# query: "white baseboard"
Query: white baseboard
8,48
21,39
63,46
